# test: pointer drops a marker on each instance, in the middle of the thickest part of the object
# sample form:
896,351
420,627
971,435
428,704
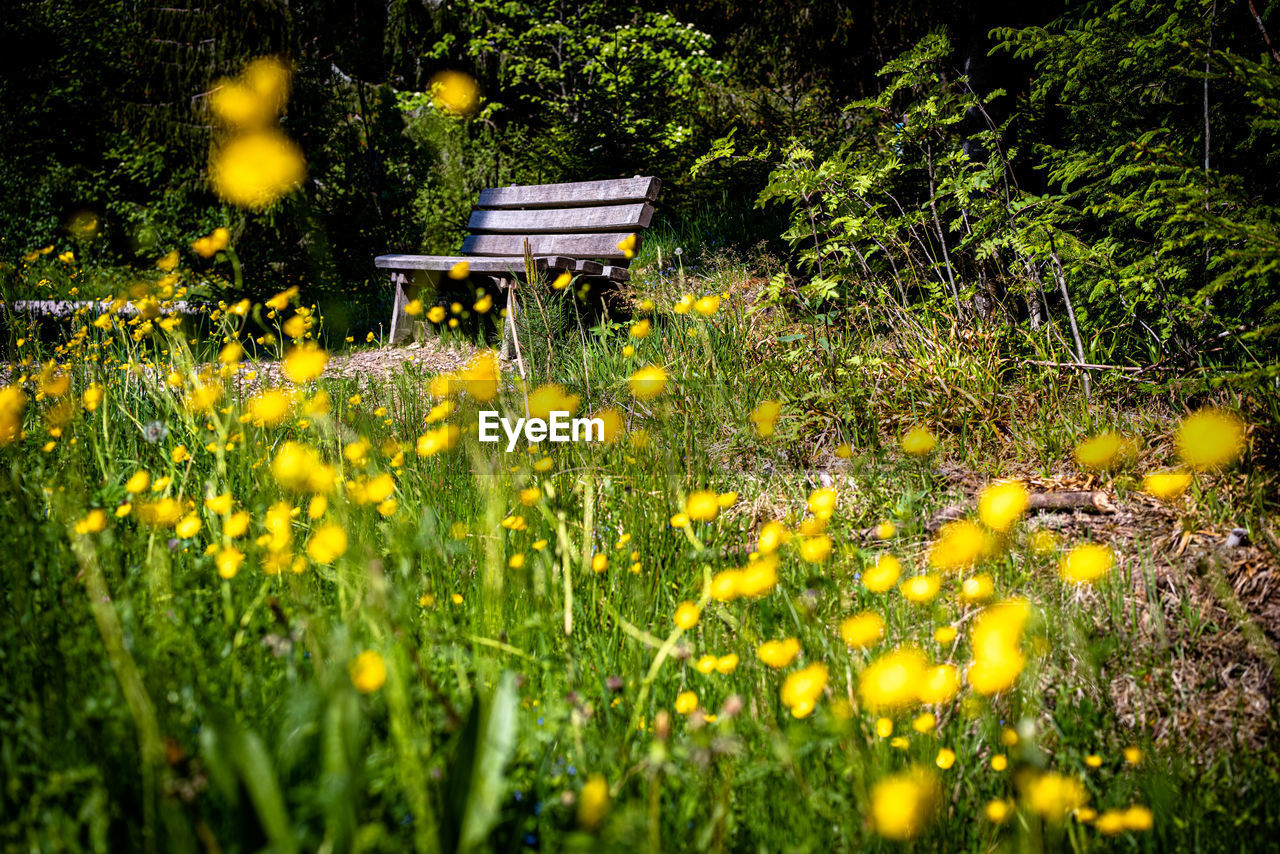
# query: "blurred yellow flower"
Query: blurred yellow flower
802,688
946,758
726,664
921,589
305,363
600,563
773,535
1086,563
436,313
885,530
938,684
1055,796
593,803
904,804
862,630
641,328
822,502
270,407
648,383
997,659
562,281
627,246
92,397
480,376
944,634
815,549
219,505
94,522
228,562
368,672
724,585
686,616
765,417
483,304
686,702
455,92
978,588
552,397
702,505
1210,439
1166,485
1100,452
883,574
778,653
1002,504
707,306
996,811
255,169
137,482
918,442
759,577
327,543
957,546
892,681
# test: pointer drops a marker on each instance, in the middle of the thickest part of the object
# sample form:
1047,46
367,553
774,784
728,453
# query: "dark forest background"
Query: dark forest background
1111,161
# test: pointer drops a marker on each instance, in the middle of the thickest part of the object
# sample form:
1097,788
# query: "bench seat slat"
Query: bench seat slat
572,245
562,220
572,195
441,263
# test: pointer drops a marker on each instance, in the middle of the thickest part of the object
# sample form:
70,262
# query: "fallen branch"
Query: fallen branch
1046,502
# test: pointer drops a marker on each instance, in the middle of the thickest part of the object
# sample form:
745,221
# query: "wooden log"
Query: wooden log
562,220
571,245
572,195
1070,500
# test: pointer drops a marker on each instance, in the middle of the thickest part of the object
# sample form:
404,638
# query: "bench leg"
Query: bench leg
401,323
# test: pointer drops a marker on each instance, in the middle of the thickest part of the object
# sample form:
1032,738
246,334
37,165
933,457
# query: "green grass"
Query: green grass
150,704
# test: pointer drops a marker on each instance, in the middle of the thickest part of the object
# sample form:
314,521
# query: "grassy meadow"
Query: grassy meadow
802,597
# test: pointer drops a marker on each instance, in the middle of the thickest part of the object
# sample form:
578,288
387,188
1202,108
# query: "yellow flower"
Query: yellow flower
1133,755
726,664
765,416
188,527
778,653
1002,504
305,363
1210,439
270,407
299,468
480,376
328,543
436,314
253,170
801,689
921,588
600,563
862,630
483,304
1055,796
822,502
164,512
885,530
433,442
815,549
924,722
641,328
939,684
724,585
759,577
957,546
683,306
236,524
883,574
455,92
999,762
457,272
94,522
686,702
562,281
706,307
368,672
168,262
994,639
593,803
613,423
137,482
317,506
946,758
648,382
772,536
702,505
892,680
516,561
92,397
1100,452
680,520
706,664
978,588
686,616
1086,563
904,804
295,327
727,499
944,634
228,562
552,398
1138,818
997,811
918,442
627,245
1166,485
219,505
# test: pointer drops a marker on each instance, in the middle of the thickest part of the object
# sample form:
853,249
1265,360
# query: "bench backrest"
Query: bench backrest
584,219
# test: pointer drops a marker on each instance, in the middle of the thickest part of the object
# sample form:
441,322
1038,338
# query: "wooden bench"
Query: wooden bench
569,227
